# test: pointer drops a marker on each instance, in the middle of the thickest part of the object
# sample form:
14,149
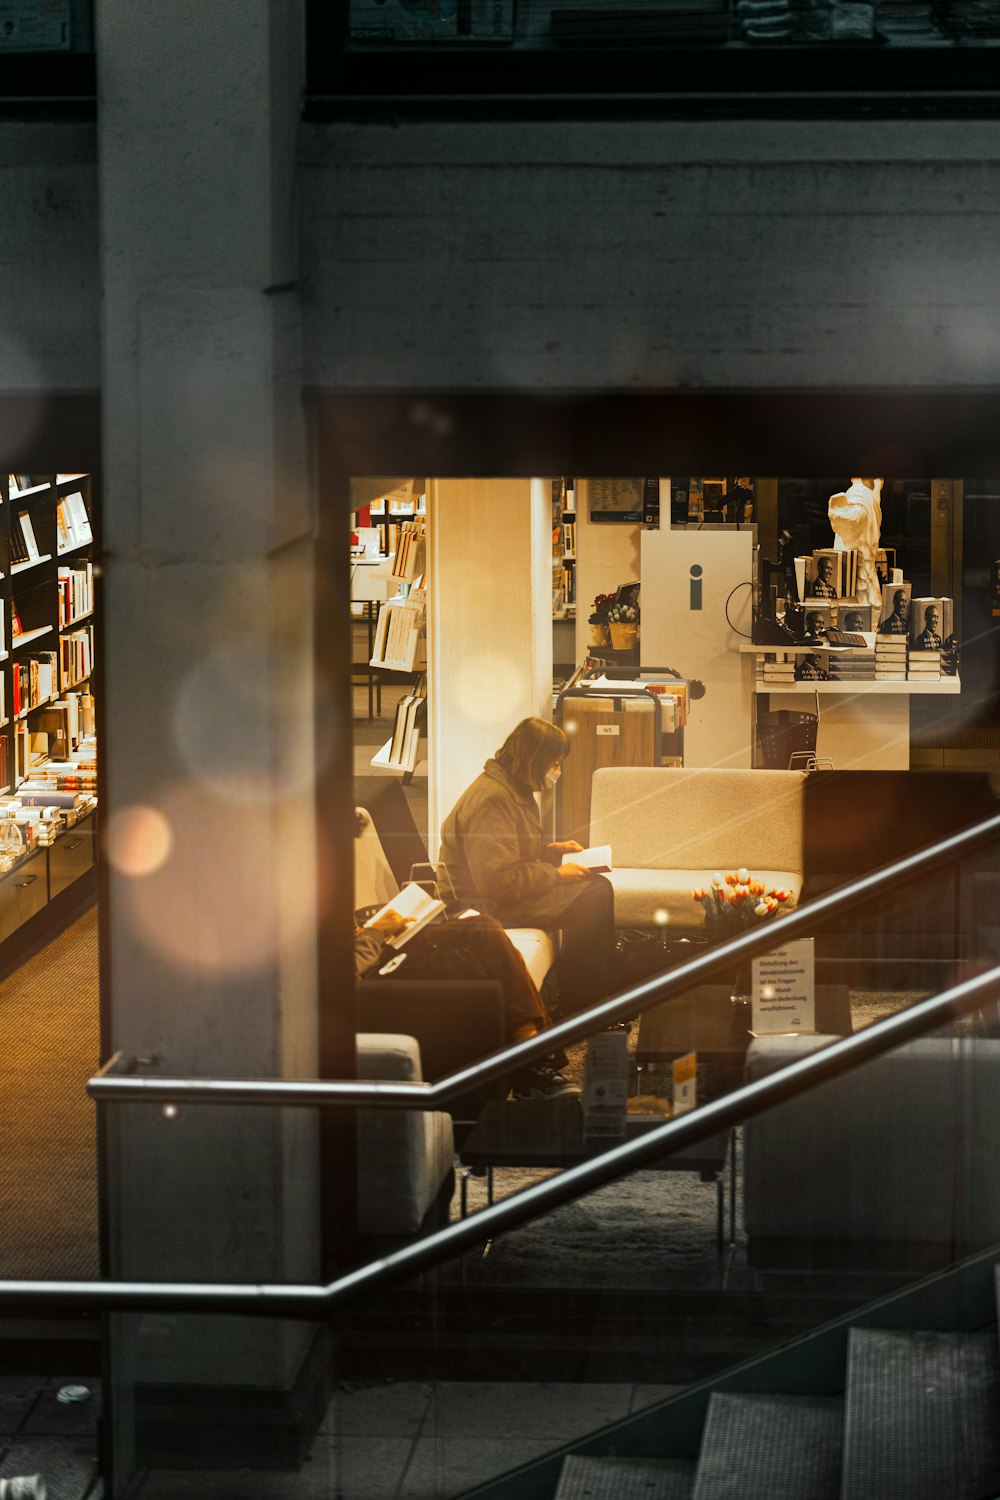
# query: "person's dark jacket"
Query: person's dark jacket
493,846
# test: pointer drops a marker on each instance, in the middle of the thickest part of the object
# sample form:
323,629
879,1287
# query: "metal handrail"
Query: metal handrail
113,1083
316,1302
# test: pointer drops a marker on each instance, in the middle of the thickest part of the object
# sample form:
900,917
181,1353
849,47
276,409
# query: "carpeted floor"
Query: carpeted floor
48,1164
654,1230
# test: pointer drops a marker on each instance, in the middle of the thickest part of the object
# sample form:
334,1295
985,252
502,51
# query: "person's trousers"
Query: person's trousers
586,955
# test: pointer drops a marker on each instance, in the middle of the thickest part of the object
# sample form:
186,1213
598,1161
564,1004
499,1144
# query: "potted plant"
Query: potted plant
598,620
623,619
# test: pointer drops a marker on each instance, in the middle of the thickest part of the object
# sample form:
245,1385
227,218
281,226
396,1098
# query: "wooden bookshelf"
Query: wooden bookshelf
47,623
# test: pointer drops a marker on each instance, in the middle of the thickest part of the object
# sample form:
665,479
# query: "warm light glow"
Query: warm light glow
170,1111
661,916
224,904
139,840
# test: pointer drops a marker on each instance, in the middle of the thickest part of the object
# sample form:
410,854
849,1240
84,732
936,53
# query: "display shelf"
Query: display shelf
30,635
886,688
34,489
71,687
33,562
34,707
77,547
78,620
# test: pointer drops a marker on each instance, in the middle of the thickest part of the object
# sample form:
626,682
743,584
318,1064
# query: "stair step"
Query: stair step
770,1448
626,1479
919,1415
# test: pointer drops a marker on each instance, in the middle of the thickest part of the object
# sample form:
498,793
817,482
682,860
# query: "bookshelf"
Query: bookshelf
48,757
400,634
563,549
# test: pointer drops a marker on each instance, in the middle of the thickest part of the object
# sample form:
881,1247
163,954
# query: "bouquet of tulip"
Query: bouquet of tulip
624,613
736,901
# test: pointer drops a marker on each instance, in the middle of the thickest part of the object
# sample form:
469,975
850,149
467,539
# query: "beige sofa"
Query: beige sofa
405,1157
886,1168
672,829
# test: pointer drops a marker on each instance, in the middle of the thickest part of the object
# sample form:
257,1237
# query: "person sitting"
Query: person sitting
493,849
495,956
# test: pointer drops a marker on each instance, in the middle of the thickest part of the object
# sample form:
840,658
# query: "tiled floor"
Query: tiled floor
41,1435
405,1441
423,1441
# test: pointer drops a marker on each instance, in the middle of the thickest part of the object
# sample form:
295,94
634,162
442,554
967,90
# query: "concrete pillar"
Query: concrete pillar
208,766
489,625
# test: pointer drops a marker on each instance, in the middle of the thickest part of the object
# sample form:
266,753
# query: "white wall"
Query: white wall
607,555
616,255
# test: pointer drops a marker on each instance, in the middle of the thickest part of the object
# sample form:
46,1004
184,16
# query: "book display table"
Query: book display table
705,1021
864,724
549,1133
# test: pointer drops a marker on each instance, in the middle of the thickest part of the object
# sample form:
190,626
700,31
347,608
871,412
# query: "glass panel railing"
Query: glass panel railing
534,1338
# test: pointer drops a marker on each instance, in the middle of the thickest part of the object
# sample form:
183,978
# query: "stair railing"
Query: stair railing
751,1099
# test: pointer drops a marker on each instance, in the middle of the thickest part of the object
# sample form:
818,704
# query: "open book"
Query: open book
412,901
597,859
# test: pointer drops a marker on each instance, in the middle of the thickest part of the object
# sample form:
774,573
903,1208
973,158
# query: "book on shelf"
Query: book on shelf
402,746
18,545
597,858
72,522
28,535
413,903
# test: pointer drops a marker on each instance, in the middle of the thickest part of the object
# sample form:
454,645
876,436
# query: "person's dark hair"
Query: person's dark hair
530,749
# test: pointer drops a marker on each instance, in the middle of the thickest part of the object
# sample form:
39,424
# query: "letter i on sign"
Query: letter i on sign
696,586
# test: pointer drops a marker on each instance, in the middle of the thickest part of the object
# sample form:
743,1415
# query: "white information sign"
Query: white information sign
34,25
605,1084
784,989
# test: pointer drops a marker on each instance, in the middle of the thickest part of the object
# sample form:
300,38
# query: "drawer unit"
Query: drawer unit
23,892
71,856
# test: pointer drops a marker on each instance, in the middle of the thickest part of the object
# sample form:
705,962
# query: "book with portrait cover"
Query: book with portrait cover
894,618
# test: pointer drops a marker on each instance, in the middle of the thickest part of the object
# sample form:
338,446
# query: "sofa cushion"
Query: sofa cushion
643,896
404,1156
901,1149
681,818
537,948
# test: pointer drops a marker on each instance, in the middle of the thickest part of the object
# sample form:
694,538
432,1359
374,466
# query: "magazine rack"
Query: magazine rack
786,735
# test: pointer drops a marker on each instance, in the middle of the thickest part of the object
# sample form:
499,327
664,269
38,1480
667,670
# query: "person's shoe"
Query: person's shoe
542,1082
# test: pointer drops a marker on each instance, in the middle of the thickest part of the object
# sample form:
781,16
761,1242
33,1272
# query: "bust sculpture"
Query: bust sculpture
856,517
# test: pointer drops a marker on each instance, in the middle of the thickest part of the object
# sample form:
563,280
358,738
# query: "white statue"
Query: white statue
856,518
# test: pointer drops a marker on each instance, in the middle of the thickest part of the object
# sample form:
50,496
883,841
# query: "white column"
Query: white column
208,677
489,619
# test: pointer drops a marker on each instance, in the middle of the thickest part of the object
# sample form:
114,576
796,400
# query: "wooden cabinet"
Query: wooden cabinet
72,855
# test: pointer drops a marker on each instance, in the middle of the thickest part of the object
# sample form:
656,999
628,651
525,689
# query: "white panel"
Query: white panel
684,625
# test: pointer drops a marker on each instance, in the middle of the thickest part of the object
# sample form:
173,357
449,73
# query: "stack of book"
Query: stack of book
400,639
923,666
777,667
401,751
411,547
890,658
855,665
